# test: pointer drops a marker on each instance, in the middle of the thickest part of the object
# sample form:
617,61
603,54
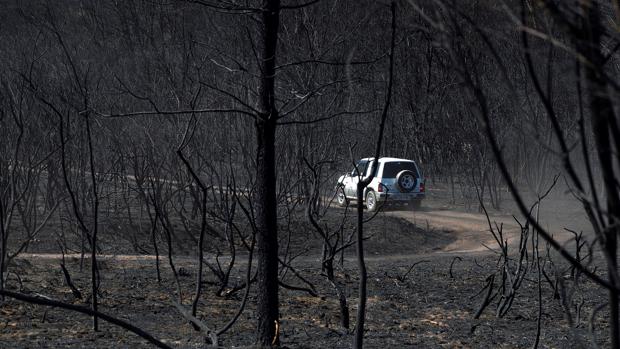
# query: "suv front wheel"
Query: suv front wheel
371,201
341,198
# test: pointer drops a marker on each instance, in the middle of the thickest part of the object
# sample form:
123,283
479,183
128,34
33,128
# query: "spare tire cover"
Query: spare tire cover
406,181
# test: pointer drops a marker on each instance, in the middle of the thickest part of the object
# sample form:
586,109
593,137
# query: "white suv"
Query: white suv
397,181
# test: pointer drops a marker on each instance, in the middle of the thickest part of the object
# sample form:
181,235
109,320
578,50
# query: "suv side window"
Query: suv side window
361,166
391,169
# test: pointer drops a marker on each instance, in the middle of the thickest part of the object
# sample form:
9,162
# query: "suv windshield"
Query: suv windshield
391,169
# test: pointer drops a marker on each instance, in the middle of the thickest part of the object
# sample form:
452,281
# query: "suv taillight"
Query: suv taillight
380,189
421,187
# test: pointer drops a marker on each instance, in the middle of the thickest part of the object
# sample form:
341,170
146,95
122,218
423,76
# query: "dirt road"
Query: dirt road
471,229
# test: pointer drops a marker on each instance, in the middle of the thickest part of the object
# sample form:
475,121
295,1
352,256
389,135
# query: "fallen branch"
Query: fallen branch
298,288
199,324
87,311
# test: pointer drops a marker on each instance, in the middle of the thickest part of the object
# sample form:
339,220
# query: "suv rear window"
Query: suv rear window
391,169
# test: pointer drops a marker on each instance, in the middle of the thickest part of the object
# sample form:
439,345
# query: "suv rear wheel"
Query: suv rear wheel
371,201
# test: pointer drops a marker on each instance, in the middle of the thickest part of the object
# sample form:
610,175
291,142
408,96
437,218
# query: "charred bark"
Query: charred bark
266,235
266,202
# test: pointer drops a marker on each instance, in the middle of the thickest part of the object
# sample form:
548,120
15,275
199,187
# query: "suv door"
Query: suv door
350,182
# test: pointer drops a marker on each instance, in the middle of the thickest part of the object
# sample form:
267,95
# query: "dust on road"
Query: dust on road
470,230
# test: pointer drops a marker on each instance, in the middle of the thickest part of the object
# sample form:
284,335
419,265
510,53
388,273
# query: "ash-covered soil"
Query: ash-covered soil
425,307
430,304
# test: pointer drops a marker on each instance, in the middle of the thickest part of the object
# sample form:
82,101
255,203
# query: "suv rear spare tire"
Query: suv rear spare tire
406,181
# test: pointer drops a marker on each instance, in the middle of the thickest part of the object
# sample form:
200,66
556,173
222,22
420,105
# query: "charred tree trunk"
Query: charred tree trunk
267,234
266,203
3,248
328,266
94,272
360,316
358,340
